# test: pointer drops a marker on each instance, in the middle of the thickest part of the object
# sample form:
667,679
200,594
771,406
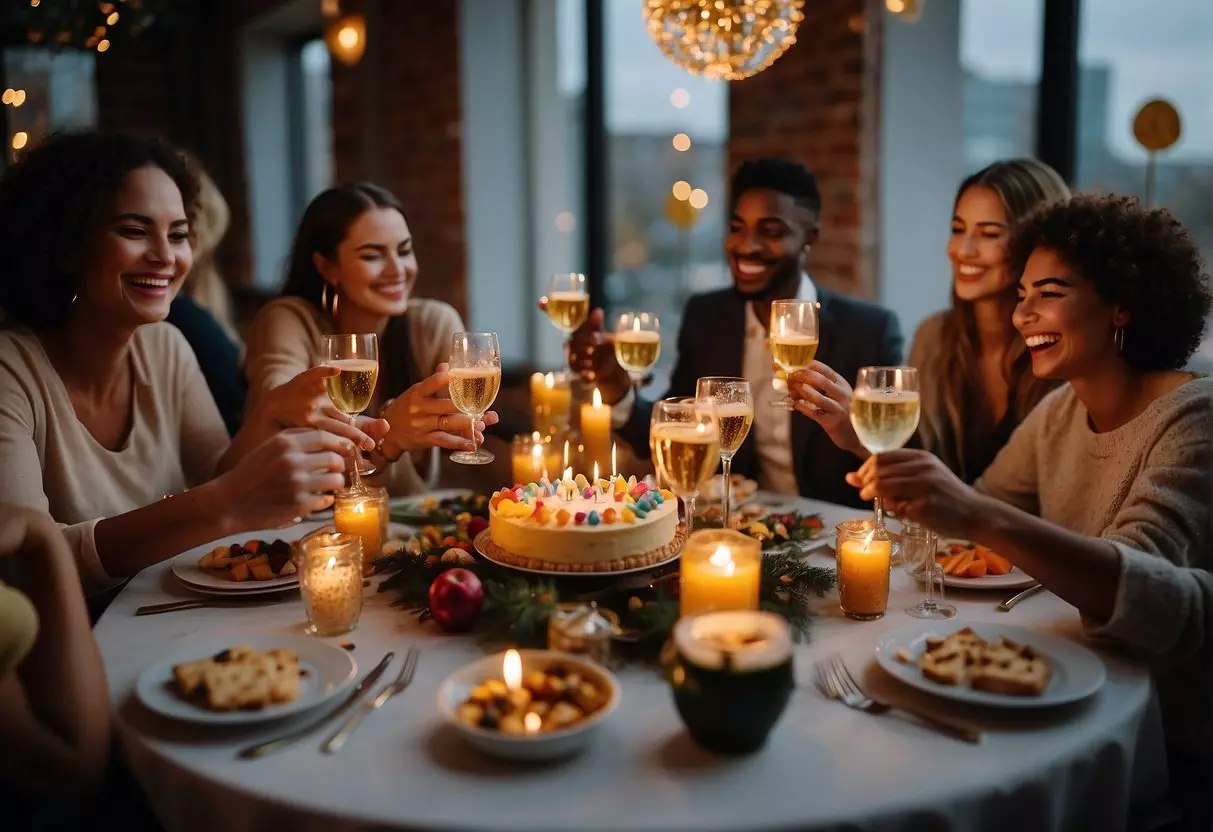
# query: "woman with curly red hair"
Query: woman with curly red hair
1103,493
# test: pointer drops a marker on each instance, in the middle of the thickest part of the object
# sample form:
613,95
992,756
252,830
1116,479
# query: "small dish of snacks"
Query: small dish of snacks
247,680
440,508
990,664
967,565
530,705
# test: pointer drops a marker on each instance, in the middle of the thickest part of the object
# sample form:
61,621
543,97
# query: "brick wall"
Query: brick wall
819,104
396,120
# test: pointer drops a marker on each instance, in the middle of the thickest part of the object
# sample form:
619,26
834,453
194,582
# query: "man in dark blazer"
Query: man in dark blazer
776,207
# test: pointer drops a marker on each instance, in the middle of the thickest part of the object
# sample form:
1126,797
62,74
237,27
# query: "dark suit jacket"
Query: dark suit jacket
854,334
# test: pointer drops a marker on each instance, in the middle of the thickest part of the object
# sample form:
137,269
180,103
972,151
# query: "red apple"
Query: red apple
456,599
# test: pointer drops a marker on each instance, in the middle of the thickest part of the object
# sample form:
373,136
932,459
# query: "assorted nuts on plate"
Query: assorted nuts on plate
547,700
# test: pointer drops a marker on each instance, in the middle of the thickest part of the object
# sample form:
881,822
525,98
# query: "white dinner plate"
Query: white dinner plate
1076,672
329,670
186,569
478,545
1015,579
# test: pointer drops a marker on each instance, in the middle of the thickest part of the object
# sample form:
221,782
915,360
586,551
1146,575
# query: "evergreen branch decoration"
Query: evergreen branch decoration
517,604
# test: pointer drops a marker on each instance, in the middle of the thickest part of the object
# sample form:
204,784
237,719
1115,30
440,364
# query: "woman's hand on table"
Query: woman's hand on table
424,416
917,486
303,402
825,397
289,475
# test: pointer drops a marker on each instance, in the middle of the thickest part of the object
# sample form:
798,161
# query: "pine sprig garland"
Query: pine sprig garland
517,604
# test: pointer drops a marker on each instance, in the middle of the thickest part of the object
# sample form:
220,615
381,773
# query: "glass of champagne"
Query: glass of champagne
734,404
918,548
356,358
567,304
884,413
475,379
793,338
637,344
687,444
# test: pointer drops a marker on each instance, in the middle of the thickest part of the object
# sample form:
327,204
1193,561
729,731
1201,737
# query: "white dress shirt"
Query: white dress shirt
772,426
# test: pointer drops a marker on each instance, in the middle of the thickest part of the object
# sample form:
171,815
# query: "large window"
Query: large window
315,114
1129,53
1000,51
50,91
664,126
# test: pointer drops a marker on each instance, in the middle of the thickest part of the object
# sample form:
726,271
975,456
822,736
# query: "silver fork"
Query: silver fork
836,682
333,744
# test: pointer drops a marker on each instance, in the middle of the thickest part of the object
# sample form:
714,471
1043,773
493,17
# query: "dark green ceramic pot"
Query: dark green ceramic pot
731,675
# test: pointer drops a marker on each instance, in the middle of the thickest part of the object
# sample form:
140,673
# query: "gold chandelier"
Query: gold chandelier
725,40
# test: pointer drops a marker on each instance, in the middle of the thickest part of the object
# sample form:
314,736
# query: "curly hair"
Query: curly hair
1139,259
781,175
50,201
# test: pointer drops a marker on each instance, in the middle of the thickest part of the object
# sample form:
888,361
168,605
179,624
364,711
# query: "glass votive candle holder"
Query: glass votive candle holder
584,629
363,512
551,402
330,581
864,563
529,458
720,569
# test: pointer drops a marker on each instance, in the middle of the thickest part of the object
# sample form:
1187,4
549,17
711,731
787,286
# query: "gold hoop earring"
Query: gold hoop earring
324,300
1118,338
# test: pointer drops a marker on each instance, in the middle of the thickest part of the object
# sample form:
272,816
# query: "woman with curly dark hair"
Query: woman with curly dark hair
103,410
1103,493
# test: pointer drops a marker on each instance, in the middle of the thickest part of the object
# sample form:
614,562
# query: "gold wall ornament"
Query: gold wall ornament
724,40
345,38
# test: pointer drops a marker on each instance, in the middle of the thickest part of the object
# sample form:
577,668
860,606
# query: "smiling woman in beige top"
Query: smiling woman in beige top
103,410
352,270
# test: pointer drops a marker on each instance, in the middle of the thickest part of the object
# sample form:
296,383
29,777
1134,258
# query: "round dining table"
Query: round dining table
1086,765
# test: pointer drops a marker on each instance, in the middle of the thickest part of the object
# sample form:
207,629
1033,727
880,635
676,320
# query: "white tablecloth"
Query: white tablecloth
825,767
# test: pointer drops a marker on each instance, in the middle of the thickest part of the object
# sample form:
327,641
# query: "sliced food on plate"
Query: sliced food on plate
253,560
240,678
998,666
962,559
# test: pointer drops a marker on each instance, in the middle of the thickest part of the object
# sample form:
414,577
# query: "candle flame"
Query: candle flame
722,558
332,563
597,399
549,381
568,472
614,467
359,507
511,669
867,541
531,723
566,459
595,474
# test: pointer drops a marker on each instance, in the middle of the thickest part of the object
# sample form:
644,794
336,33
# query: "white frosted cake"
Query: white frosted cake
576,526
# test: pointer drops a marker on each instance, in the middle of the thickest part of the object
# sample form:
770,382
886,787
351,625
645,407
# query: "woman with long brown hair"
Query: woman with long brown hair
976,377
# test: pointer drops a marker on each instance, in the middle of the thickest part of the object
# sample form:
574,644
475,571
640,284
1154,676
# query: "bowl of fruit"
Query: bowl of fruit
530,705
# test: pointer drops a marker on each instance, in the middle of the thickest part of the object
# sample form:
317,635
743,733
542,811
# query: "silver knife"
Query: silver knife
1006,605
262,749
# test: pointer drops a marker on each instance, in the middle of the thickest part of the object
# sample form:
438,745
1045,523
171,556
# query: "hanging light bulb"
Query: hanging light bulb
346,38
907,11
725,40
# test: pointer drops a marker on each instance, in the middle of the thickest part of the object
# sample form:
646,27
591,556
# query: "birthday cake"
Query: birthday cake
578,526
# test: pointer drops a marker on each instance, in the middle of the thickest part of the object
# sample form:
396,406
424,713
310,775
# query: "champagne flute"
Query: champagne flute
686,439
918,547
793,338
567,304
637,344
356,357
734,414
475,379
884,413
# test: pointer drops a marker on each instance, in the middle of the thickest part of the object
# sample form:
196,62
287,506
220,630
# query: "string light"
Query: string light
112,19
681,189
680,98
19,140
682,142
698,199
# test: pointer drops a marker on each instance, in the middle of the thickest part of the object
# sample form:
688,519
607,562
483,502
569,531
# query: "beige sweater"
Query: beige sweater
284,339
1146,487
51,463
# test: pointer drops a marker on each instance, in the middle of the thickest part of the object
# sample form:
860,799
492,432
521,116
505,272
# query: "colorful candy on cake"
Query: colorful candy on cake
575,525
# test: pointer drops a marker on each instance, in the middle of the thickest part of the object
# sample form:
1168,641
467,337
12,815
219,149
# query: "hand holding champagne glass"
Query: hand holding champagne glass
475,371
734,405
637,344
567,303
686,441
884,413
356,358
793,338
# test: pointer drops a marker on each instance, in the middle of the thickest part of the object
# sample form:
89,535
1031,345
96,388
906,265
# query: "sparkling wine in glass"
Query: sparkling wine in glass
686,441
793,338
918,547
637,344
475,370
356,357
567,303
734,403
884,413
